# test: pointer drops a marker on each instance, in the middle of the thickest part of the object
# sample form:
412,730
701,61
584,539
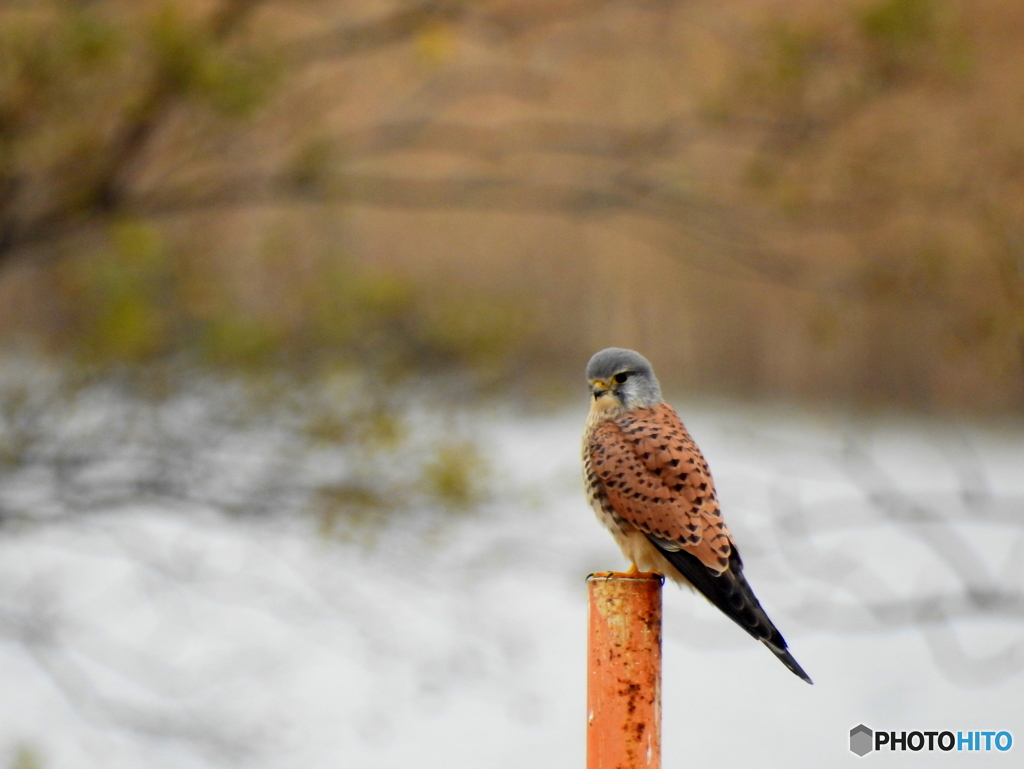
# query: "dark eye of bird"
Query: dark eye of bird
621,377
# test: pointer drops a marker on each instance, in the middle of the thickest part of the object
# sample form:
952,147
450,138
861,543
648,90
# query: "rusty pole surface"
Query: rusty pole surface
624,678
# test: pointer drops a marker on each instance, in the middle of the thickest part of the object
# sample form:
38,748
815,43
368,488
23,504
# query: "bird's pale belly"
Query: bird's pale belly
638,549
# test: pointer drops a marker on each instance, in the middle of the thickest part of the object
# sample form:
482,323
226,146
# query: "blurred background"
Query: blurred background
295,300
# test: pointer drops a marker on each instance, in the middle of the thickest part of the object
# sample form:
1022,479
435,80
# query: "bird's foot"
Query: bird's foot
635,573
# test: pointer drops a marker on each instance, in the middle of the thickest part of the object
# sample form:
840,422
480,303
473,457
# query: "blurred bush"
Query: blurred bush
138,302
795,200
26,758
879,146
349,452
274,335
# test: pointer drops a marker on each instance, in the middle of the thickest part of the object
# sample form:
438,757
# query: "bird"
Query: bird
649,484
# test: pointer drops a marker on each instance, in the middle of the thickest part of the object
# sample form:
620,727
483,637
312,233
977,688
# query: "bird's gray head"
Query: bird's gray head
624,375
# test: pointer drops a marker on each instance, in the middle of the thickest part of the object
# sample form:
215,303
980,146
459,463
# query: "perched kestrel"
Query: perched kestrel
649,484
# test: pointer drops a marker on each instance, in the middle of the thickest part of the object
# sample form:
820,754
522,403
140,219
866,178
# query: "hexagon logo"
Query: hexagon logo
861,741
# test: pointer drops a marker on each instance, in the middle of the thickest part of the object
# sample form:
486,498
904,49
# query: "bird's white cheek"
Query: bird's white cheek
605,404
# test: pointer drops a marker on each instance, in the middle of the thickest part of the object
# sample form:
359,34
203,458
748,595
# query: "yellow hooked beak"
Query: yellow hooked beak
599,387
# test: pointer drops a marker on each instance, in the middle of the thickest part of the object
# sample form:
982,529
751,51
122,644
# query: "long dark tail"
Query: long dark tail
731,593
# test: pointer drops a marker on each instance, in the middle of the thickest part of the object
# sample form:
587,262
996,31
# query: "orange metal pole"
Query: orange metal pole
624,679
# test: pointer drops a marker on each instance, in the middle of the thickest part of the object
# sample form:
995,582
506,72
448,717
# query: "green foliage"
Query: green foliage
122,309
455,476
83,87
236,341
792,56
310,166
37,55
811,74
91,40
478,330
365,423
793,50
179,50
907,37
189,61
372,315
135,301
384,321
351,451
25,757
394,465
352,509
899,23
15,440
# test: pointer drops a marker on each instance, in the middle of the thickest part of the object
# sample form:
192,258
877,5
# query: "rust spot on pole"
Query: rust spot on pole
624,678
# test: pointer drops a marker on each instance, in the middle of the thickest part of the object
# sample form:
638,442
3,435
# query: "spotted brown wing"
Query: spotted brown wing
656,479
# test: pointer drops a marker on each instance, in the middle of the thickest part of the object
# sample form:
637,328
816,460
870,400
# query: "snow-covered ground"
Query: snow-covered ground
890,552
